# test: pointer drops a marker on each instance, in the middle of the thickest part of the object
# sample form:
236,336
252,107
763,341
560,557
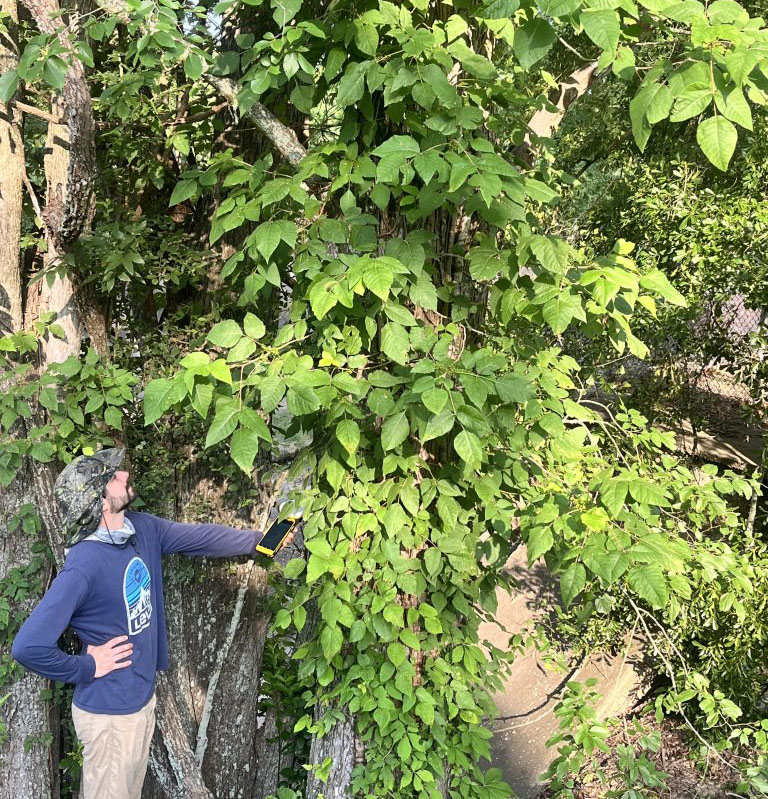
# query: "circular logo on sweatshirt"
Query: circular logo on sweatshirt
137,595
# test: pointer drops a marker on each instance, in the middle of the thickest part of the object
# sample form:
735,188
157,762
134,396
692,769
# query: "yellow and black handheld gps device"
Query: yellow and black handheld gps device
276,534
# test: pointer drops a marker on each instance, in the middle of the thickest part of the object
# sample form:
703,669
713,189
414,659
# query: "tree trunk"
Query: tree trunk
340,745
24,751
217,619
24,755
11,186
70,169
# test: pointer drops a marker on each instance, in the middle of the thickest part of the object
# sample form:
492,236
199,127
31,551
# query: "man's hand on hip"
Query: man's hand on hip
110,656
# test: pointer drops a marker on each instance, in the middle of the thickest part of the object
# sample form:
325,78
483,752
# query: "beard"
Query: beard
118,504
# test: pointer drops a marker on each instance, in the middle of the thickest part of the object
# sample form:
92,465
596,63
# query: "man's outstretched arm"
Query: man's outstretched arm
212,540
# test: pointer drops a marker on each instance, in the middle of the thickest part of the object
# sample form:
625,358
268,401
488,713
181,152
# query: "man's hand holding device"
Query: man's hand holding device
280,533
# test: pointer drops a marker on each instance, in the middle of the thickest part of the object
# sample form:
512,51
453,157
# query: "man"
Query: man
110,591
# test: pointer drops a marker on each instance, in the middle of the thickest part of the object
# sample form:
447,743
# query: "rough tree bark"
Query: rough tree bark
25,770
68,163
70,169
207,705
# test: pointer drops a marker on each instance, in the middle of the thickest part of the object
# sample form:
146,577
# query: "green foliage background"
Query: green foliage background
401,299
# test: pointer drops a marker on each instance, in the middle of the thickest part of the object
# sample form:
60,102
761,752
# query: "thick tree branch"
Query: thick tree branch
202,731
283,138
36,112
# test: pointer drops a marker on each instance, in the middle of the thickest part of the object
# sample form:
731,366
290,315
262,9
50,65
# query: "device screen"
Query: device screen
276,533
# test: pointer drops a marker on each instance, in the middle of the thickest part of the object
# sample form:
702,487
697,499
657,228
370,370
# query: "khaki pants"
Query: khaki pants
115,751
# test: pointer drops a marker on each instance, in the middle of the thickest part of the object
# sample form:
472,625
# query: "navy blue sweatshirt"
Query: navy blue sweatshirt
104,591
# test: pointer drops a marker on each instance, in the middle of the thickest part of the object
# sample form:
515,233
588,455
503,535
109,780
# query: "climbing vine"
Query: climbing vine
395,303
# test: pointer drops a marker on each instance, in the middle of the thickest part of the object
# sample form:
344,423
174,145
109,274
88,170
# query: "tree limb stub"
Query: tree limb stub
37,112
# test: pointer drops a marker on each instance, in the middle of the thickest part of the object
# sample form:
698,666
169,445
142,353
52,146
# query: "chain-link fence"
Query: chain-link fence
733,336
709,368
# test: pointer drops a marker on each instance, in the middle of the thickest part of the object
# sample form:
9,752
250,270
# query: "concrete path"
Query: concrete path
526,720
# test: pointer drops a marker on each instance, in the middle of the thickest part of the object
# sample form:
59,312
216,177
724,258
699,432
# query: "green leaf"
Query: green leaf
378,279
395,343
427,165
572,582
434,400
734,106
649,584
648,493
423,292
396,653
55,72
533,41
266,237
740,62
603,27
638,106
225,334
283,11
624,65
552,253
560,310
220,371
242,351
183,190
460,171
348,435
540,541
272,391
224,422
331,640
322,559
717,138
613,493
159,396
243,448
253,326
401,315
193,66
608,566
469,449
398,144
394,431
9,83
322,298
351,87
559,8
514,388
659,104
439,425
253,421
691,103
657,282
302,400
113,417
433,561
366,38
485,262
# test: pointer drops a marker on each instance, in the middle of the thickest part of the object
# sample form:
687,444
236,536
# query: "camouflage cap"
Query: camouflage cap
79,489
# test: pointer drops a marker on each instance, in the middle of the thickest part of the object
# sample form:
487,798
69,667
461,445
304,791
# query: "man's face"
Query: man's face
119,492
